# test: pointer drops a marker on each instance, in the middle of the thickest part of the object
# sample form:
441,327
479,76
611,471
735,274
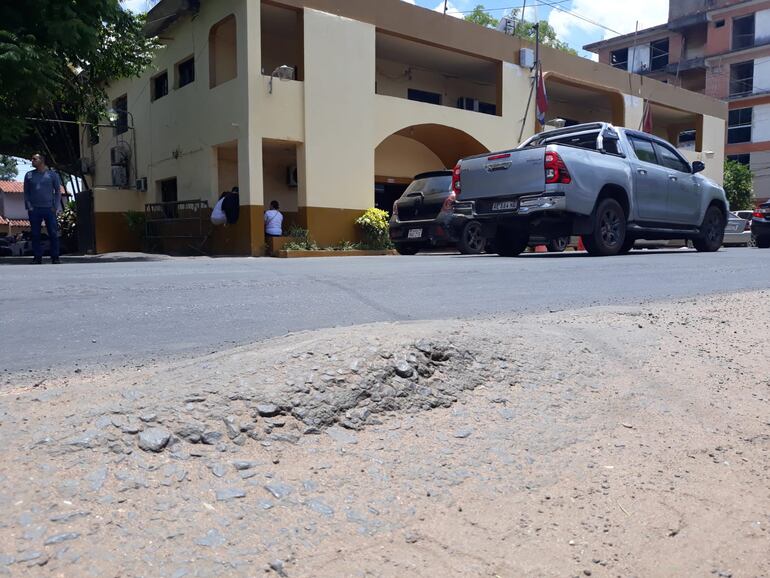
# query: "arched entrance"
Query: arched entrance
413,150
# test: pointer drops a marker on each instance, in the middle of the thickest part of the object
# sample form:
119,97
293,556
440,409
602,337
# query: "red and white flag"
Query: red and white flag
647,117
542,97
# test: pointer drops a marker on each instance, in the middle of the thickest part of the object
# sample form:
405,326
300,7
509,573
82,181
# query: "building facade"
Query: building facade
722,49
332,106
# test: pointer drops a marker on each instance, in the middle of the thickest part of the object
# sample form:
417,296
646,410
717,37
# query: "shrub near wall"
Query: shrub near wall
374,225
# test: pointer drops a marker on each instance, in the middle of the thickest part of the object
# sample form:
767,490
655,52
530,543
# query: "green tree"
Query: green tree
56,56
481,17
737,185
8,168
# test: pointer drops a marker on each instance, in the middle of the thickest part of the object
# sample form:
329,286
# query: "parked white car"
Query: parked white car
738,230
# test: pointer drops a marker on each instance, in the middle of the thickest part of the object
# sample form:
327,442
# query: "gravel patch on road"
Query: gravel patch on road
604,442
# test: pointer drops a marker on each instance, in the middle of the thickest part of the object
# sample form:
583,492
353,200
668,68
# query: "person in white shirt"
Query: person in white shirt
273,220
218,216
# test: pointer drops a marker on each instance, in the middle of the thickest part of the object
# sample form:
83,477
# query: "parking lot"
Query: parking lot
110,313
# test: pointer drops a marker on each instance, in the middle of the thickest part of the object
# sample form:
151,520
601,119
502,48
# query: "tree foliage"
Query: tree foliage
522,28
482,18
8,168
56,56
738,187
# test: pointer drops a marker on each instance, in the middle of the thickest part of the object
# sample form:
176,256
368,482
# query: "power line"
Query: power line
519,7
573,14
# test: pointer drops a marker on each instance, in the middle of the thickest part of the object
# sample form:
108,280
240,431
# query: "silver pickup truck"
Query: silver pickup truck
610,185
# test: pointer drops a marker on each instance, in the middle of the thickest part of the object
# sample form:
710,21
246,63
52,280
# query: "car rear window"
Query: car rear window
429,186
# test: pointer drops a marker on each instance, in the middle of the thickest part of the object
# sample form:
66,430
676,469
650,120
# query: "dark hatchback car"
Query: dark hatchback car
760,226
413,224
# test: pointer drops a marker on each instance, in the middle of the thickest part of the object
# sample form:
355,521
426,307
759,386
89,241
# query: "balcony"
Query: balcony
414,71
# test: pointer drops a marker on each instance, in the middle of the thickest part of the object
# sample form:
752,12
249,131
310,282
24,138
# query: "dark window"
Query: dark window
743,32
719,23
671,160
121,107
93,134
742,78
160,86
423,96
476,105
619,58
659,54
185,72
643,150
687,137
744,159
739,125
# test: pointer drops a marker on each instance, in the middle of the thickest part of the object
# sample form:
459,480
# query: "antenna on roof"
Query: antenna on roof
446,6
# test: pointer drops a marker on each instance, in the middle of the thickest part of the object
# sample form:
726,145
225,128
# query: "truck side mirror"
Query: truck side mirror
697,166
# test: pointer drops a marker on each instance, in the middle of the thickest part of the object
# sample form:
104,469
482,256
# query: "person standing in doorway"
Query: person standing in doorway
42,198
273,220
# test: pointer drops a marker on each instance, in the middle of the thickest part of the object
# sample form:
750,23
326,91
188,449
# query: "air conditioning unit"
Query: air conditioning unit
118,156
141,184
86,166
291,176
527,57
119,176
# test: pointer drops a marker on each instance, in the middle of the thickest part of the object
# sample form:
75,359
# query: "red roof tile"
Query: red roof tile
14,222
18,187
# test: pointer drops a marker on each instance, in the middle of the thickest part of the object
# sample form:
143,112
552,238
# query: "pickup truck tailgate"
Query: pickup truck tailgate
503,174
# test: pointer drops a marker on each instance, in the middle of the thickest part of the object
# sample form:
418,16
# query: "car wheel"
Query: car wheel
752,242
407,249
472,241
628,244
511,243
763,242
609,232
558,245
712,231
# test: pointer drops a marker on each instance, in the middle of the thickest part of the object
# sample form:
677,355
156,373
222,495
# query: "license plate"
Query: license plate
414,233
505,206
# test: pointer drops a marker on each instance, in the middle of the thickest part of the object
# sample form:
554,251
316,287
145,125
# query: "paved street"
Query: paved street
118,313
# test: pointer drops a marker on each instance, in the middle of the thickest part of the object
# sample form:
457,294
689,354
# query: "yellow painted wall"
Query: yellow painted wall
339,112
275,162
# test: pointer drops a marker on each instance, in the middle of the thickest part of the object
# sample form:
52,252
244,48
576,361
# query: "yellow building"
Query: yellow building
380,90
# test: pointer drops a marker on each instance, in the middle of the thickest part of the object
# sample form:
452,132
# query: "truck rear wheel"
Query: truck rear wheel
472,241
609,231
511,243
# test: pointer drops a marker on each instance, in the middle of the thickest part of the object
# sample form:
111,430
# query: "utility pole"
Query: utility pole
446,6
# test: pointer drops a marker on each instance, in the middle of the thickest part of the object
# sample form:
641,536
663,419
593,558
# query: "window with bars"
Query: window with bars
742,78
619,58
743,32
739,125
744,159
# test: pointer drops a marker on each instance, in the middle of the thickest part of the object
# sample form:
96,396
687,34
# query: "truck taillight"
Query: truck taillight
759,215
456,180
449,203
555,169
395,209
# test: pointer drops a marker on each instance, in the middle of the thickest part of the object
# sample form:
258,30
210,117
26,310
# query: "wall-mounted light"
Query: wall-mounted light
283,72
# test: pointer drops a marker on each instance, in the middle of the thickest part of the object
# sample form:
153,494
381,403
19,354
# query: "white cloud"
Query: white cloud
620,16
409,1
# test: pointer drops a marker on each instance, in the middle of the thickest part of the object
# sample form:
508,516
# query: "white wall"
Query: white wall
639,58
760,123
762,26
761,75
13,206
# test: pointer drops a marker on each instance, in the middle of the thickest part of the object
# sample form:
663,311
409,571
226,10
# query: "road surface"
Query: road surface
112,314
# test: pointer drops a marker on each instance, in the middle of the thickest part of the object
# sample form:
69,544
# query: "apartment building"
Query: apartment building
332,106
722,49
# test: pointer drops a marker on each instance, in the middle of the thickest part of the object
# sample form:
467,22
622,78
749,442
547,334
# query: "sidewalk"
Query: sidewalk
102,258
